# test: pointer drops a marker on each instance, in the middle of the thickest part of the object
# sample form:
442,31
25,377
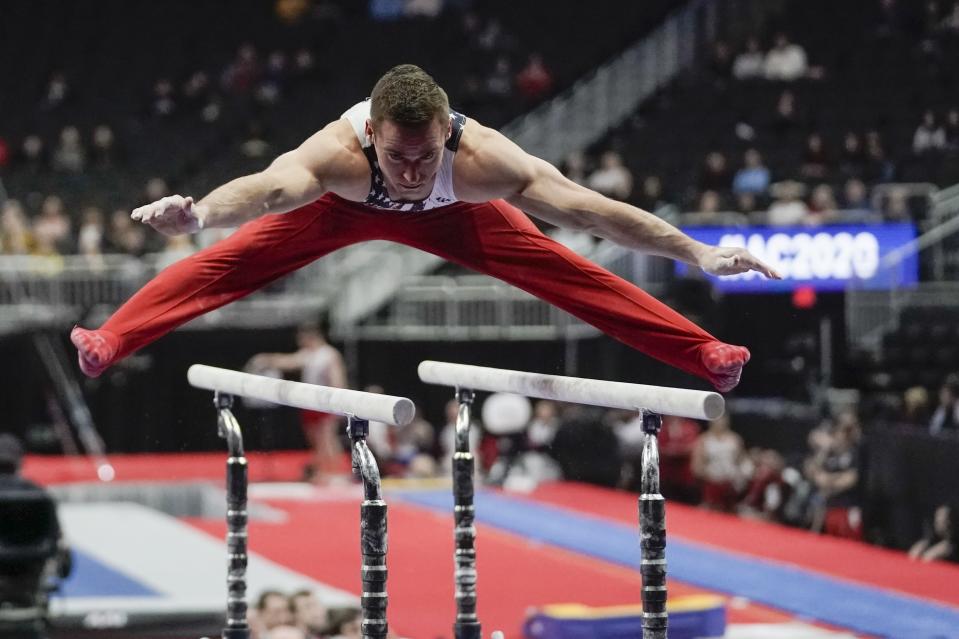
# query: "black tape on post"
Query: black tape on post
652,527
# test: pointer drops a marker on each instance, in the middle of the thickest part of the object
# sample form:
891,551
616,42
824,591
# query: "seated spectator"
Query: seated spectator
823,208
749,63
15,235
929,137
650,196
787,207
272,610
677,440
951,127
815,162
499,83
767,492
855,196
852,159
345,623
542,429
895,208
124,236
534,81
90,235
878,166
57,93
720,64
719,462
612,178
104,147
69,156
54,225
753,177
786,61
945,419
715,174
915,407
835,477
241,76
33,154
939,542
309,614
786,119
747,204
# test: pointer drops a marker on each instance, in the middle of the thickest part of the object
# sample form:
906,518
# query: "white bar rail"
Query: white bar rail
659,399
370,406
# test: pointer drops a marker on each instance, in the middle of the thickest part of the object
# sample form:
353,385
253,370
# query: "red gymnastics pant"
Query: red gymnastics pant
494,238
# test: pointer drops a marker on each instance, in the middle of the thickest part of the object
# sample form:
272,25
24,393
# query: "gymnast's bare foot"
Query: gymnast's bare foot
725,364
95,349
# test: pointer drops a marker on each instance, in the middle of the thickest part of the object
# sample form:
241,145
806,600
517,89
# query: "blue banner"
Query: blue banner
827,258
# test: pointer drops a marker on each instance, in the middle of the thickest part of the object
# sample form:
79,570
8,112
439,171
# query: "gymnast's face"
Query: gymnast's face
409,156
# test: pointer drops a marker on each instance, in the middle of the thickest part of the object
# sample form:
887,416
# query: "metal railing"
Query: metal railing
872,313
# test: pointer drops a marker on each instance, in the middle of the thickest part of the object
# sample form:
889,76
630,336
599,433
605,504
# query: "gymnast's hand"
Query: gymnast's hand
724,260
172,215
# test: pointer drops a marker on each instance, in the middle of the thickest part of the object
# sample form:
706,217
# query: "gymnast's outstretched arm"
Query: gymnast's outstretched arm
493,167
322,163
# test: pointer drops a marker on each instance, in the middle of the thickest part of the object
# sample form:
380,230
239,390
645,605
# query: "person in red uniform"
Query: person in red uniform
402,166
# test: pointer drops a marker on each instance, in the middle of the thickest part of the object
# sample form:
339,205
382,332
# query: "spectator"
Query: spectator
950,23
309,614
815,162
69,156
946,416
317,362
747,204
767,492
255,145
715,174
855,195
499,83
896,205
104,147
272,611
57,93
836,478
612,178
53,226
534,81
707,208
33,154
90,236
753,177
852,162
786,120
542,429
720,63
274,78
241,75
718,461
878,167
951,127
915,406
124,236
822,206
749,63
345,623
155,189
788,207
651,194
414,449
929,137
786,61
32,550
939,542
15,235
195,94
